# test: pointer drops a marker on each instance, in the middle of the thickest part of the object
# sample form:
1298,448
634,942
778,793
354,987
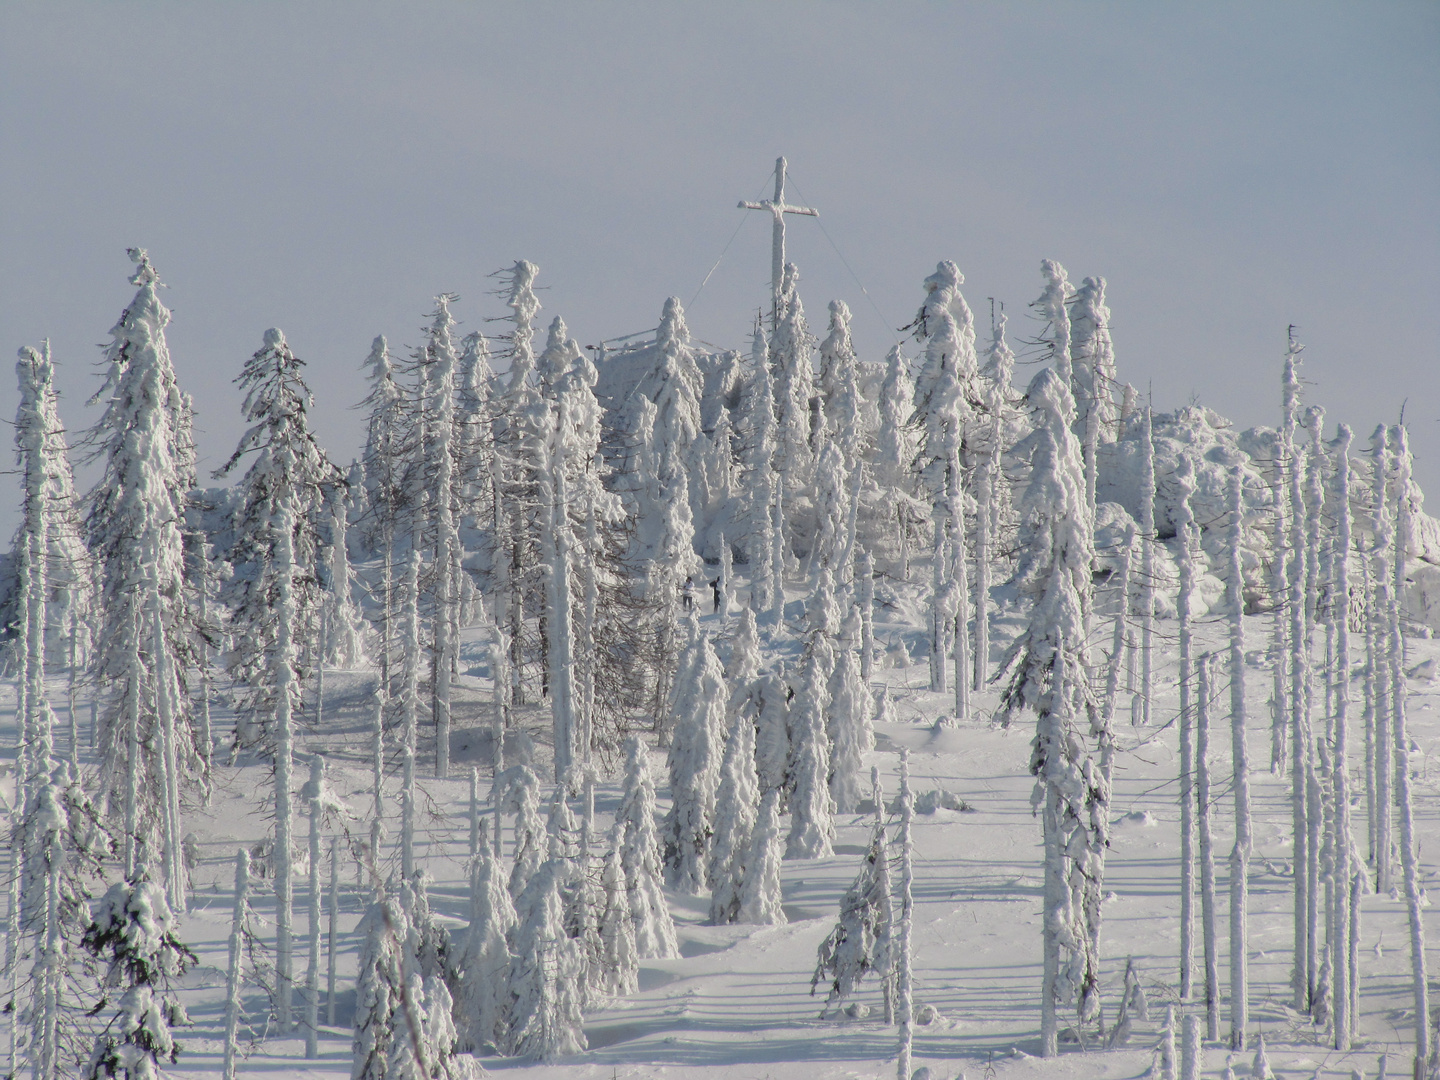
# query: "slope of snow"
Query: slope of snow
736,1003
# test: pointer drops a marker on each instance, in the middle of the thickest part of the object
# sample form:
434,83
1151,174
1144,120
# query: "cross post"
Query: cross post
778,209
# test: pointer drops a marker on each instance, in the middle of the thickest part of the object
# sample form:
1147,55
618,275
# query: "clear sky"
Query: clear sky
327,168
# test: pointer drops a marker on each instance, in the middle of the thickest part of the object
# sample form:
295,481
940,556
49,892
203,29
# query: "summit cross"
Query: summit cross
778,210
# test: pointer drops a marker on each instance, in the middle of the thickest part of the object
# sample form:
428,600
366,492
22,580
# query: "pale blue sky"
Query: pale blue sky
328,168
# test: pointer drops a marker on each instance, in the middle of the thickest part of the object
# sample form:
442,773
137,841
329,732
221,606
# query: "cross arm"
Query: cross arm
779,208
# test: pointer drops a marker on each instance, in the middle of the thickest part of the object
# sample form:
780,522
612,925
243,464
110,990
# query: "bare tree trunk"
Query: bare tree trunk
235,979
1340,843
1240,764
902,979
1207,850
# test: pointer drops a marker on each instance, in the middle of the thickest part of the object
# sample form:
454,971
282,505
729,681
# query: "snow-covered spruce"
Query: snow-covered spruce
857,944
484,960
848,723
56,588
791,352
772,739
734,825
758,434
380,1018
1092,355
694,766
289,475
132,523
383,461
640,858
132,932
435,484
546,974
521,797
1047,662
760,896
812,827
619,954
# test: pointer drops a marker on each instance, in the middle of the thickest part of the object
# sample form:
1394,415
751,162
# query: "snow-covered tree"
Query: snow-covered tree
474,436
694,765
386,442
640,857
557,545
1147,564
1092,356
1308,510
1341,842
812,827
857,945
1052,308
431,1051
1205,671
832,499
619,954
772,740
133,531
1048,662
235,972
323,804
484,960
522,797
991,488
56,595
945,385
758,441
904,1009
409,707
894,460
435,493
64,842
865,604
1303,969
521,424
848,725
381,1017
546,974
289,475
1400,739
791,350
735,804
894,451
760,896
838,382
1240,767
132,931
1382,526
344,637
1185,520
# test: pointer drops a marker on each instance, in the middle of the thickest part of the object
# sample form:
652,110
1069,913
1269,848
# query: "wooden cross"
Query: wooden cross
778,210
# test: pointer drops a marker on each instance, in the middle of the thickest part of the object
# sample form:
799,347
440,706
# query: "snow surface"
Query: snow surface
736,1003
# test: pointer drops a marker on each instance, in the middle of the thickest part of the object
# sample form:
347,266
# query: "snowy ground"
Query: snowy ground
737,1006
